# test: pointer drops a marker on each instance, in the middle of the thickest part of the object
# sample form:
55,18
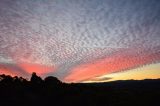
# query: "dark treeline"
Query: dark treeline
17,91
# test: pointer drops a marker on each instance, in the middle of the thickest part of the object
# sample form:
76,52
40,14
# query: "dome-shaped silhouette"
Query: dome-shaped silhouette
52,80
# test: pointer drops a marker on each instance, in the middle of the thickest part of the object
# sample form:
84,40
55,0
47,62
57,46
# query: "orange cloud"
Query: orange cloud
25,69
114,63
38,68
8,70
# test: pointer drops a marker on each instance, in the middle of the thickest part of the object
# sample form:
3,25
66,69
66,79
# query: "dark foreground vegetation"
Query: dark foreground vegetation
15,91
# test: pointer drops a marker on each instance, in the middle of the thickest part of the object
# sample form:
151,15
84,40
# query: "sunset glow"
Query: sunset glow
80,40
114,63
39,69
146,72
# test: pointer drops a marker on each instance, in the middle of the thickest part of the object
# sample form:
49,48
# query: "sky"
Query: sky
80,40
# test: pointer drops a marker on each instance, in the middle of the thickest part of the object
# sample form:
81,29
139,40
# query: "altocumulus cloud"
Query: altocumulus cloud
79,39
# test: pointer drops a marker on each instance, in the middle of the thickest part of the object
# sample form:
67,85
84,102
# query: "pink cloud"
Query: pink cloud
116,62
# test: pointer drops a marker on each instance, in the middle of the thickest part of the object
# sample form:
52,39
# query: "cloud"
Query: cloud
97,79
38,68
24,69
68,34
12,69
117,62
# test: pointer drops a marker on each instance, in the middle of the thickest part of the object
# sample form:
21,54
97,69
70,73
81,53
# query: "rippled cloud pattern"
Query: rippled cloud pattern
76,40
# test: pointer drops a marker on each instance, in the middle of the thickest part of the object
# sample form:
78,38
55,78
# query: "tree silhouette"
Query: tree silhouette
50,80
36,79
17,91
6,79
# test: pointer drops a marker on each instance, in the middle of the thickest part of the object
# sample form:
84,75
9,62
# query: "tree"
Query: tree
52,80
36,79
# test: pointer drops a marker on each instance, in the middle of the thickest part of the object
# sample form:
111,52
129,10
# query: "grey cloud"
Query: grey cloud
71,33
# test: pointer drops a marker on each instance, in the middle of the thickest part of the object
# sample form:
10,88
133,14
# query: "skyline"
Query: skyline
80,41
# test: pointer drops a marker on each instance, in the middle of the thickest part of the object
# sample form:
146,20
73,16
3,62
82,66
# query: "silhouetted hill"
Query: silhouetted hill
17,91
